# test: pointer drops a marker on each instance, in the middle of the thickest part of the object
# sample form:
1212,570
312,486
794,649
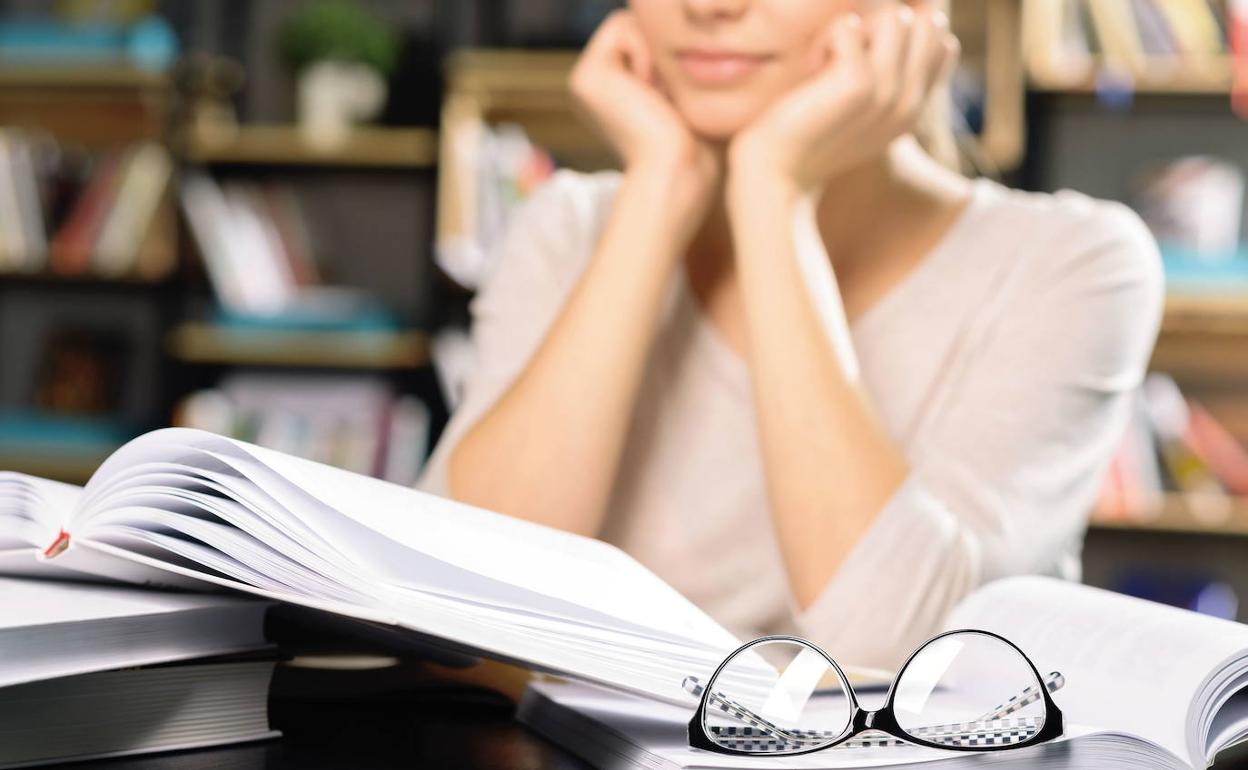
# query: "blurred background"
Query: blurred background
267,219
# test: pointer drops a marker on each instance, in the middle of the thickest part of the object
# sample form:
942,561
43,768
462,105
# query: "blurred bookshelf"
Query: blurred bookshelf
71,465
102,343
1123,98
1147,47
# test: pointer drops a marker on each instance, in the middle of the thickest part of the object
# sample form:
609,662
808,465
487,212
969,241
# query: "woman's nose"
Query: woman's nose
701,10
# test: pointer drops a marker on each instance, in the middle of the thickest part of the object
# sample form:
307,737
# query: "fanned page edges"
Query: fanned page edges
180,507
1174,677
33,511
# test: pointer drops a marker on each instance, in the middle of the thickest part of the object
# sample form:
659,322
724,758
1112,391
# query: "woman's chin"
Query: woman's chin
715,123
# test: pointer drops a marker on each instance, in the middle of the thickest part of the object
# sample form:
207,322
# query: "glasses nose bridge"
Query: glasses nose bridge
874,719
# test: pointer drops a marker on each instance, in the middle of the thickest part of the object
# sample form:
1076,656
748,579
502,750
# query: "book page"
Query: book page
202,506
45,602
412,539
1130,665
33,510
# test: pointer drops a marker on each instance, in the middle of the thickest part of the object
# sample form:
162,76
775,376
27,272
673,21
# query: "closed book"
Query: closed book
69,252
1222,453
129,712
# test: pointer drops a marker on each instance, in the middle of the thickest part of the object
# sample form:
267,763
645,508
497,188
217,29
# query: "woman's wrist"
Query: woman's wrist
754,189
680,188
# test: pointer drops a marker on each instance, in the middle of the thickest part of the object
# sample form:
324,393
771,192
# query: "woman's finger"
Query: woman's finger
847,48
890,41
636,53
925,60
608,42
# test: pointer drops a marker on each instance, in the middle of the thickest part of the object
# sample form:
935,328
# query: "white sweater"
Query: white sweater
1002,365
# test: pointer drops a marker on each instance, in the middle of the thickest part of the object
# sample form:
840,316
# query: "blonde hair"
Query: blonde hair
935,130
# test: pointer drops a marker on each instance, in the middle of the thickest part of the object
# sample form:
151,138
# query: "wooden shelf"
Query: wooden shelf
1222,314
1204,337
1175,516
80,77
73,466
204,343
44,279
368,146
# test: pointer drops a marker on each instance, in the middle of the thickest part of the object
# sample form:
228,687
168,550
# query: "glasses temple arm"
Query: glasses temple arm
1053,682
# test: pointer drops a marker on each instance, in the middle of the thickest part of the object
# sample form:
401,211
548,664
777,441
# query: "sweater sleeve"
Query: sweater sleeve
537,266
1003,475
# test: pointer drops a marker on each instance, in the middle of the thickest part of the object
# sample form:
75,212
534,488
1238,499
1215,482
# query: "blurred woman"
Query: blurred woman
806,372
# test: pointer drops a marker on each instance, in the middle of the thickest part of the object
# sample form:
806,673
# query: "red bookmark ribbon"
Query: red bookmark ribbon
58,545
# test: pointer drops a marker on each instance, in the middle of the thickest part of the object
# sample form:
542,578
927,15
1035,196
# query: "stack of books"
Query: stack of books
181,508
1173,445
91,671
355,422
1130,38
99,217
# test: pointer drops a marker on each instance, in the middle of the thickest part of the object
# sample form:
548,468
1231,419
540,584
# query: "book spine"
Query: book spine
70,250
1237,36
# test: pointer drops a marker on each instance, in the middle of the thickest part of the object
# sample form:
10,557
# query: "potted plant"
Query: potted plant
342,56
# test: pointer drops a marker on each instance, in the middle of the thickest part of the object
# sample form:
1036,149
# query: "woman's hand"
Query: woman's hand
615,83
870,87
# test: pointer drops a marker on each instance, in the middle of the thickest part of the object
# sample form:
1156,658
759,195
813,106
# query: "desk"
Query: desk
426,728
464,731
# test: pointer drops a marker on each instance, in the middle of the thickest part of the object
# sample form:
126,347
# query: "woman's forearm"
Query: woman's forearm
829,463
548,450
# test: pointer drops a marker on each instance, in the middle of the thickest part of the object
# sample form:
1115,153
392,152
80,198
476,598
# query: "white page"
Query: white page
489,544
379,525
25,603
1130,665
618,636
51,629
33,510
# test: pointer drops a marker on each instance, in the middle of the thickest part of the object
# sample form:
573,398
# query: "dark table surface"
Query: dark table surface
461,730
382,719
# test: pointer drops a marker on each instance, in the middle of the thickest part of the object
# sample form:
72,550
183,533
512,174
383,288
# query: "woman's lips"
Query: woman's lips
719,68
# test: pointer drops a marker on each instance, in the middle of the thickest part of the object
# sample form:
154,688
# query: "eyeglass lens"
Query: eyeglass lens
969,690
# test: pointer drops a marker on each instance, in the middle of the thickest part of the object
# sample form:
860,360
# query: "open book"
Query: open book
1145,686
190,509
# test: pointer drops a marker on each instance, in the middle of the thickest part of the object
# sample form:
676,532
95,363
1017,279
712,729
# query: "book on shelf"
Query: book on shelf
1173,445
190,509
109,223
1064,39
355,422
169,670
141,188
1146,686
495,168
1195,28
1118,34
260,253
23,239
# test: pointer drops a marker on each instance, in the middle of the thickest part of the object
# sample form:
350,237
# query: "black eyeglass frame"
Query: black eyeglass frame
881,720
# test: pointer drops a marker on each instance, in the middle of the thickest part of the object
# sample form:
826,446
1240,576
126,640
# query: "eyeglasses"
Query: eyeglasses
966,690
